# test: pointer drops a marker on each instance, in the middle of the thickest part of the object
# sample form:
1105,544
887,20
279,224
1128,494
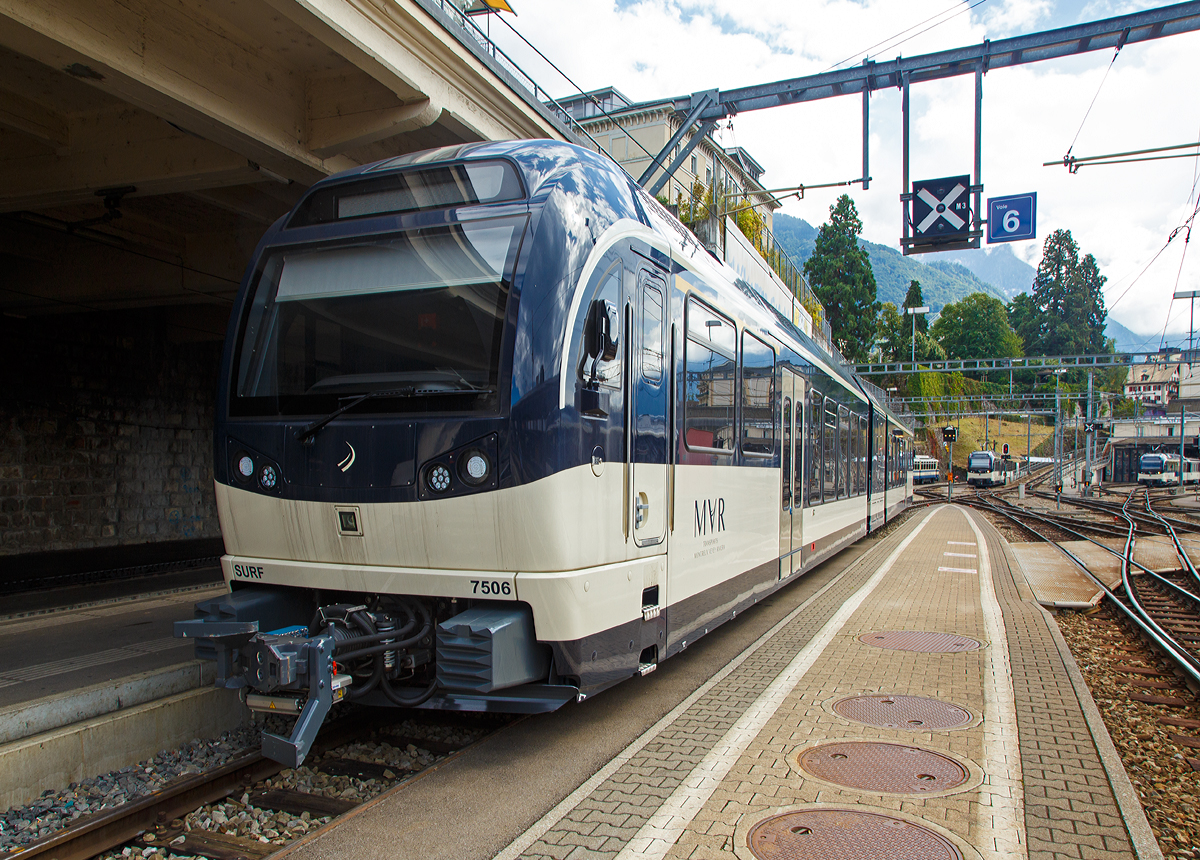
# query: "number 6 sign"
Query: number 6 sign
1011,219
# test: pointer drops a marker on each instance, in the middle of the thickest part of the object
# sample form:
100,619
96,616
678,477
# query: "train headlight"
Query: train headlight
438,478
268,478
244,464
474,467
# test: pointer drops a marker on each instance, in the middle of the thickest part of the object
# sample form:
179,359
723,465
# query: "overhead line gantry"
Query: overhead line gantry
708,107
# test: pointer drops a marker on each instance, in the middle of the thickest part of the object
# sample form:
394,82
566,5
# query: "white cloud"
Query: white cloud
1122,214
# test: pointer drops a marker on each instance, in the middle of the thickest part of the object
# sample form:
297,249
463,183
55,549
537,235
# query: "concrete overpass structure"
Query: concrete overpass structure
144,147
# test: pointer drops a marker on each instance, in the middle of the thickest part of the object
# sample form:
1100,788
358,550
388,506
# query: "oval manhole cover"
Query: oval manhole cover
921,641
846,835
888,768
912,713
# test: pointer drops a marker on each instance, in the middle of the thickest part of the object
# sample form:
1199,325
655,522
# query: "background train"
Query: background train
1162,470
925,469
496,432
989,469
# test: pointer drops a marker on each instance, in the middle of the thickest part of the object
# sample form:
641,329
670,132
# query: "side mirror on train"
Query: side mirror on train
600,336
600,344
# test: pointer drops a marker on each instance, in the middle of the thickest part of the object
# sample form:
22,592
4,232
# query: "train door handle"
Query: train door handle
640,507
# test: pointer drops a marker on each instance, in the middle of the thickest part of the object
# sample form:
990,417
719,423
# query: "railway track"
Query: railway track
1164,608
161,818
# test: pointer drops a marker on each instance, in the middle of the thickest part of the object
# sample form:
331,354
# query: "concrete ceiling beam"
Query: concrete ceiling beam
128,149
28,117
178,61
349,109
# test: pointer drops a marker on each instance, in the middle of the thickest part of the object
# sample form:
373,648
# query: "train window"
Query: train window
708,399
652,333
758,397
845,452
883,453
411,191
786,471
421,310
830,470
861,430
798,459
816,423
704,324
607,373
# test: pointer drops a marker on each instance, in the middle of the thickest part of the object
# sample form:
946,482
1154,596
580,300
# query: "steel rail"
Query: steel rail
1186,662
89,835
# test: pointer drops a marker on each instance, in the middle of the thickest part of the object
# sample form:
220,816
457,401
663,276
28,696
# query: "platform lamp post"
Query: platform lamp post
1190,295
913,313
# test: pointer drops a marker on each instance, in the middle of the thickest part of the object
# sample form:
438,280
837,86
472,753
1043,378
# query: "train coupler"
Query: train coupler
299,664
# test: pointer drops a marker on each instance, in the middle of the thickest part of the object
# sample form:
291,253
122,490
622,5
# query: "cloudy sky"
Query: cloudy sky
1122,214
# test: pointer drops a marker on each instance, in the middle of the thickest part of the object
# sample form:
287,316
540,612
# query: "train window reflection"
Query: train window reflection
758,397
708,414
652,333
706,325
421,312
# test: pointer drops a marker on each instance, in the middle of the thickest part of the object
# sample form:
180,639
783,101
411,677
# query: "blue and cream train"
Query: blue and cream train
495,432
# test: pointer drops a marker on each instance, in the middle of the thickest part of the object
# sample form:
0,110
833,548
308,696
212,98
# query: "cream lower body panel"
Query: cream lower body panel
566,605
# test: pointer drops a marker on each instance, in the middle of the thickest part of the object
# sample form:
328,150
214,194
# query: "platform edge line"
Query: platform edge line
1002,711
1145,843
539,828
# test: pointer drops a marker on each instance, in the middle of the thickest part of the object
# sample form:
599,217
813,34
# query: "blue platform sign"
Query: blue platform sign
1013,218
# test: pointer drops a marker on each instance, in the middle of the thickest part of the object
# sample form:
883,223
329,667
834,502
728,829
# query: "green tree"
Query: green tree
1026,320
976,327
894,338
912,299
839,271
1066,314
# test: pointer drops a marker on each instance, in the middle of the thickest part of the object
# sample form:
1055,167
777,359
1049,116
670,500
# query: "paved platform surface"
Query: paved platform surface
55,650
691,773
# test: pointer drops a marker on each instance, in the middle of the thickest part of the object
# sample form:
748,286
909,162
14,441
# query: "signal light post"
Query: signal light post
949,434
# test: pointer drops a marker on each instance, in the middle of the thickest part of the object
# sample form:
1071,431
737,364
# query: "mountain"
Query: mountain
945,277
942,281
997,265
1128,341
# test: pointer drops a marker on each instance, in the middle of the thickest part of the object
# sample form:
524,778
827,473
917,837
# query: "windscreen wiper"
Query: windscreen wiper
305,434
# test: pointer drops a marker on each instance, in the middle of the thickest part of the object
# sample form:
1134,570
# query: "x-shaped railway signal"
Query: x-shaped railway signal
940,208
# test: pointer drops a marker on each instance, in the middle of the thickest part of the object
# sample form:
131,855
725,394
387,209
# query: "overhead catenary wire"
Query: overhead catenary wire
889,41
580,90
1116,53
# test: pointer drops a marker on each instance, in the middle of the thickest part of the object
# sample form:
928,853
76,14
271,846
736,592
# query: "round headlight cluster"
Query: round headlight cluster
245,466
474,467
268,478
438,478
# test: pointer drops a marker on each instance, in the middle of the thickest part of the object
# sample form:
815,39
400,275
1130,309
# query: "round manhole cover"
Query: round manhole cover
846,835
888,768
920,641
912,713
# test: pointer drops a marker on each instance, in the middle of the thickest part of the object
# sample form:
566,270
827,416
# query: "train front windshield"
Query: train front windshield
981,462
1151,463
416,317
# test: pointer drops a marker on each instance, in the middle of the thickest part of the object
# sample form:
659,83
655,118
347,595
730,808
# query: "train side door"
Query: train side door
792,406
800,389
648,417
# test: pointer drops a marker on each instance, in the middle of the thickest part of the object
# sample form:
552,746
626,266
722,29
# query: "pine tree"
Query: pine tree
1067,314
839,271
912,299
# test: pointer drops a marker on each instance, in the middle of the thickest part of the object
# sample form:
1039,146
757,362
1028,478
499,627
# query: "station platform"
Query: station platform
915,702
54,643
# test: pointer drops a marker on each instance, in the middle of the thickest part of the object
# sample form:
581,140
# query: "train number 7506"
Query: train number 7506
485,586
